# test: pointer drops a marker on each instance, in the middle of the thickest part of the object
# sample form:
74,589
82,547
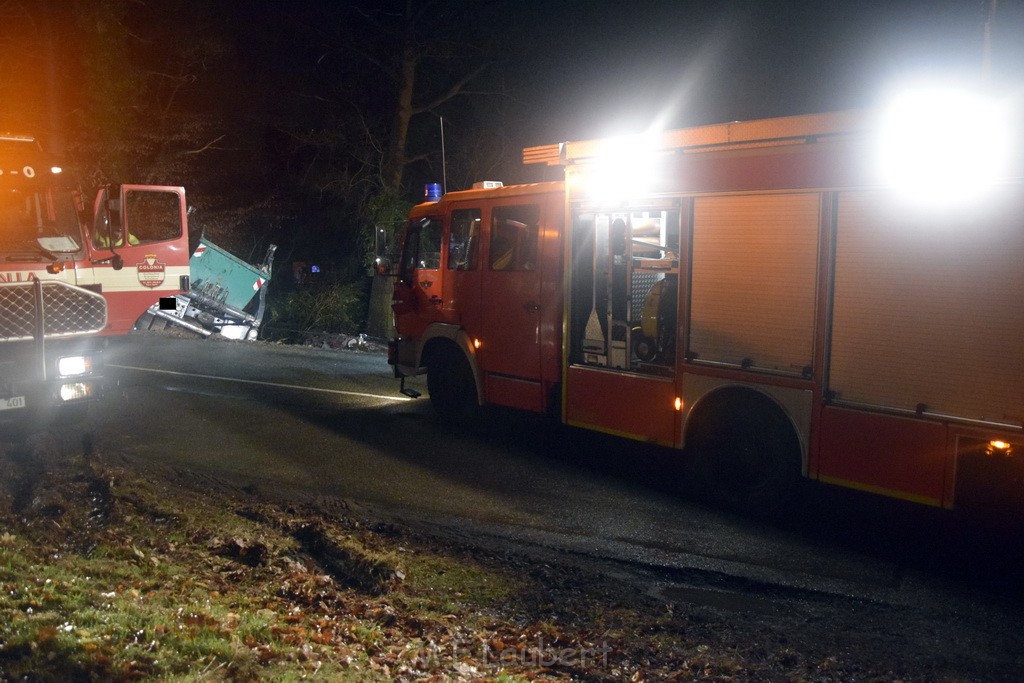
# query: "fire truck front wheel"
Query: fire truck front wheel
745,454
450,384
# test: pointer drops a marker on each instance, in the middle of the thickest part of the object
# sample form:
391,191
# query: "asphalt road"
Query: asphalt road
330,425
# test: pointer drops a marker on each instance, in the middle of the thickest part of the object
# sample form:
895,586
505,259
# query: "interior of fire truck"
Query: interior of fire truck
148,216
624,291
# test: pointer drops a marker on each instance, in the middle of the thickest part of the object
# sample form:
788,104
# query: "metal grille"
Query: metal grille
642,283
66,310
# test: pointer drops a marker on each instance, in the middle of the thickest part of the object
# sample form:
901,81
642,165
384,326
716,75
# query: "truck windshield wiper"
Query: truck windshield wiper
29,252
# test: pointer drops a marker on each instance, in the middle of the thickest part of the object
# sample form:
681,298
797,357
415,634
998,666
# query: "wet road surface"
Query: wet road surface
329,424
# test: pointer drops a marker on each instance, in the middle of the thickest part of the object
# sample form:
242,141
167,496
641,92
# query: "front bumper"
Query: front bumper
48,387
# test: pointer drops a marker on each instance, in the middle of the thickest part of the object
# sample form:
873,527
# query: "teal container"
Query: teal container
223,277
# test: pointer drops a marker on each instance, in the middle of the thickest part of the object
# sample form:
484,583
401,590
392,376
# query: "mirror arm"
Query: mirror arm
116,261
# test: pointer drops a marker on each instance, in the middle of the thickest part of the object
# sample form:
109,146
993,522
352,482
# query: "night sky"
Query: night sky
618,66
580,67
578,70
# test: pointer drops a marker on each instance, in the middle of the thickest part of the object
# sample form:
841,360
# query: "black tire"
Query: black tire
148,321
451,386
745,454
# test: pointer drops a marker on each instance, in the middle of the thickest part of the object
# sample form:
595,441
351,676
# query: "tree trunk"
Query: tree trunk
380,323
379,320
394,163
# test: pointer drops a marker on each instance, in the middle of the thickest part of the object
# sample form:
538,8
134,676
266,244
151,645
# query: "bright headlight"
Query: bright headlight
944,144
72,366
76,391
624,167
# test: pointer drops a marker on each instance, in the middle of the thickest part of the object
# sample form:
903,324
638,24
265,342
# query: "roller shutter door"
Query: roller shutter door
929,309
753,281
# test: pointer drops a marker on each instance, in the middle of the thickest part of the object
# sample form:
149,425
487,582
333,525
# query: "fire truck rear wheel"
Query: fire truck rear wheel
745,453
451,386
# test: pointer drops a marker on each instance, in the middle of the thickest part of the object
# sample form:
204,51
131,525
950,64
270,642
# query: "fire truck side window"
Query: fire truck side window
429,256
152,216
514,233
465,235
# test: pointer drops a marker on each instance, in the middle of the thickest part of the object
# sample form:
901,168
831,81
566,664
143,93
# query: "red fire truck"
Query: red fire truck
757,293
130,244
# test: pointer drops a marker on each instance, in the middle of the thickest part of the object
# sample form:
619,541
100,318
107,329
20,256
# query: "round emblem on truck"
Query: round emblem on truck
151,271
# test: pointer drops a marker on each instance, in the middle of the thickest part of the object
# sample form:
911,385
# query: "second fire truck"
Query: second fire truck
755,292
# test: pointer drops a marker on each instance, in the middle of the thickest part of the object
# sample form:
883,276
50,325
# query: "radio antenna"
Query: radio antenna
444,168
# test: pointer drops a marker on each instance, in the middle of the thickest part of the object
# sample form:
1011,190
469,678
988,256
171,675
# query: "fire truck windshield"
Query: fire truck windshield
34,222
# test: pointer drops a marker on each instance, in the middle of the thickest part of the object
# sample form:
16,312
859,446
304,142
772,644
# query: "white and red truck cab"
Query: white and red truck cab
129,243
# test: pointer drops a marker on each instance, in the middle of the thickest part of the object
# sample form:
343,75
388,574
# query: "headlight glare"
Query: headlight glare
72,366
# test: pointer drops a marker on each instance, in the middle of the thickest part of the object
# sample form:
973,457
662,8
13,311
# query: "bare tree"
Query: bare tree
416,48
138,69
413,60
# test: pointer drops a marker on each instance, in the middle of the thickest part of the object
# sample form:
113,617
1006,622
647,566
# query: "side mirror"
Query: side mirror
106,227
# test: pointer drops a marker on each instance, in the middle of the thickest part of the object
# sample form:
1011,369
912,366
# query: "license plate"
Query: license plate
12,403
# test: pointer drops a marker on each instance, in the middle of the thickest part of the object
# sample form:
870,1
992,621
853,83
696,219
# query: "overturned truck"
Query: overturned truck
226,296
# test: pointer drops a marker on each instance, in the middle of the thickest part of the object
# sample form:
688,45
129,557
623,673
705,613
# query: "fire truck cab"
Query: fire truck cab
130,244
480,277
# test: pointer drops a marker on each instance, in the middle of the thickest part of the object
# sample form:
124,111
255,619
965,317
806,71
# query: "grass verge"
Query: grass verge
112,572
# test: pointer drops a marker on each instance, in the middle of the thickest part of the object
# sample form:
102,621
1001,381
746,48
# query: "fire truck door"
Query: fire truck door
145,228
462,273
418,297
512,307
